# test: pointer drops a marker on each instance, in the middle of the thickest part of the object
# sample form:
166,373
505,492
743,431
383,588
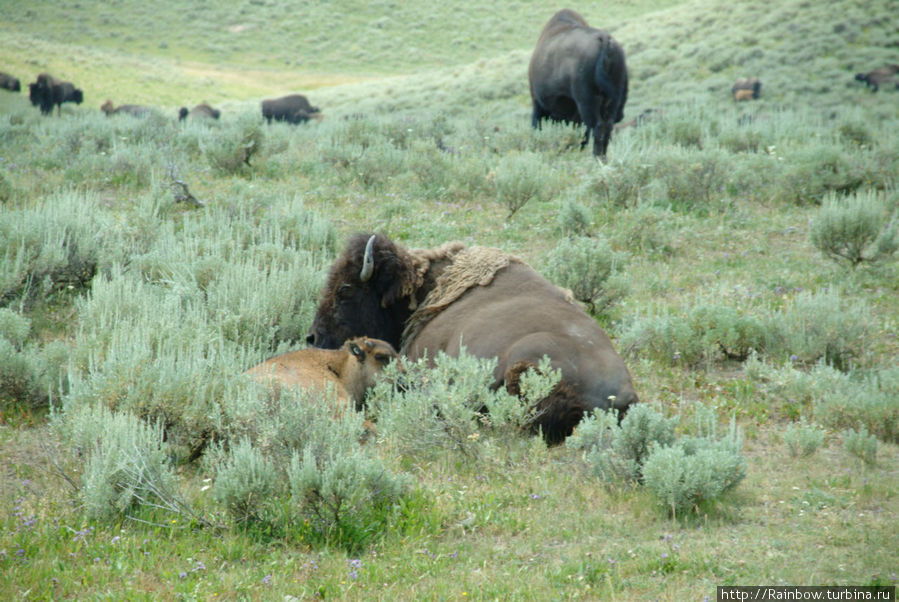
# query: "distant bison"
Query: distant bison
348,372
446,298
577,75
133,110
47,91
8,82
874,79
202,111
746,88
293,108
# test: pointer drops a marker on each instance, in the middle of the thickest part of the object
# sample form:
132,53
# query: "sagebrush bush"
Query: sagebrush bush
246,482
837,399
617,452
803,438
61,242
704,334
861,444
126,461
231,147
450,403
855,229
522,177
344,498
694,471
821,325
590,269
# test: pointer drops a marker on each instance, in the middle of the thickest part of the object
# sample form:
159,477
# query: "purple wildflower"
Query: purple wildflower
266,580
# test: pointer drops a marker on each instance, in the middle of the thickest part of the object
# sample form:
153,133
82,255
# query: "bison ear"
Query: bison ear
357,351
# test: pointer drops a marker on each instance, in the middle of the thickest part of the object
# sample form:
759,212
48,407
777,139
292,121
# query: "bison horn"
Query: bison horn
368,263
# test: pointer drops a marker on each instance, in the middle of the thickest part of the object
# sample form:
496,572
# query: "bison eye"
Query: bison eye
344,291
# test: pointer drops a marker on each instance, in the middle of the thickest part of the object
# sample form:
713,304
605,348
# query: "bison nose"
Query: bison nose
310,339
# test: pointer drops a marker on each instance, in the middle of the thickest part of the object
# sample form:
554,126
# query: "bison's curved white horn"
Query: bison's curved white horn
368,263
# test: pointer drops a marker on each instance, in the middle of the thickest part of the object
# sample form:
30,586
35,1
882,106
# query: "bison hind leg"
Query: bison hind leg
555,415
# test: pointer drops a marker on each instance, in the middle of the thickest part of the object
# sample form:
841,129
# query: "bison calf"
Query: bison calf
133,110
348,372
746,88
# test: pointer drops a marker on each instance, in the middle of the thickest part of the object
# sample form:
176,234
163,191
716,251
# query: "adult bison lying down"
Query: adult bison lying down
430,300
578,75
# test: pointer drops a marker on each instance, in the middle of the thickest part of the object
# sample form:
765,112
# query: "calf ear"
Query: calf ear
357,351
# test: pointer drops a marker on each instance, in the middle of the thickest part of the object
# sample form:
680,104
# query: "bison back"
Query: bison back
520,317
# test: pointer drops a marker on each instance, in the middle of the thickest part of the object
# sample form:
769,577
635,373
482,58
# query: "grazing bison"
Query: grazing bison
349,371
746,88
47,91
493,304
134,110
294,108
578,75
202,112
8,82
874,79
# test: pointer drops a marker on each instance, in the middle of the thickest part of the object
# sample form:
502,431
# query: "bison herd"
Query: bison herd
381,297
48,91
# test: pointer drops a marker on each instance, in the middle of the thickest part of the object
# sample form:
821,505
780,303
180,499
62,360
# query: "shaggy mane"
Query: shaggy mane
471,266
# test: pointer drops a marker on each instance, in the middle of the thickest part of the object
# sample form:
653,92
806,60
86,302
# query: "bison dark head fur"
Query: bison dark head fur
373,298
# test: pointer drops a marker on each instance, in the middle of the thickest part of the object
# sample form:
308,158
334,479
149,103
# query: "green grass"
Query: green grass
708,212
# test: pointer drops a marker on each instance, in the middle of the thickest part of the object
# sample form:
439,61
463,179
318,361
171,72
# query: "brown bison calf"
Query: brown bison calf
746,88
134,110
347,372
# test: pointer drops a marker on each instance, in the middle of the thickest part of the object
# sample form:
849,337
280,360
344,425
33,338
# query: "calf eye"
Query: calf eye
382,358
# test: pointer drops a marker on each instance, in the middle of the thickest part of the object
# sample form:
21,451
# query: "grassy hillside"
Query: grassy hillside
721,225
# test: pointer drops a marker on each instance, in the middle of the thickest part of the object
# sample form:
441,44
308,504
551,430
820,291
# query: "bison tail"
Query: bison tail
555,415
611,59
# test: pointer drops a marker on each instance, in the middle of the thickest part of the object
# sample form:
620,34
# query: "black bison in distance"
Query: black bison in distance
202,112
878,77
430,300
578,75
8,82
47,91
293,108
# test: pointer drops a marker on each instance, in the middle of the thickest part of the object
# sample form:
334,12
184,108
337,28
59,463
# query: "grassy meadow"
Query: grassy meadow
742,257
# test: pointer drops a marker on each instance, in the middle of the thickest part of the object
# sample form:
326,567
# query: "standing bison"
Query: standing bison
430,300
578,75
293,108
8,82
47,91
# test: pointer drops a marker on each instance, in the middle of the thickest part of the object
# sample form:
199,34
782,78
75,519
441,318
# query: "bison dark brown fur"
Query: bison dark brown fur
47,91
578,75
746,88
202,111
516,316
874,79
8,82
293,108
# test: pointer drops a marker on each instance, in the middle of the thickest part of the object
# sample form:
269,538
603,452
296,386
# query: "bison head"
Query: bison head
371,291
